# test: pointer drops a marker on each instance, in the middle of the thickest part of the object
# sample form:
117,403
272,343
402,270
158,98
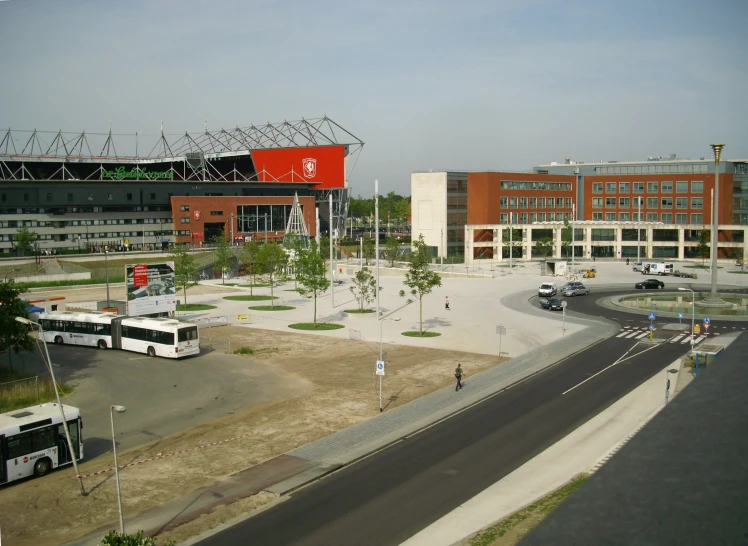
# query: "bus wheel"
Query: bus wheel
151,351
42,467
102,344
58,340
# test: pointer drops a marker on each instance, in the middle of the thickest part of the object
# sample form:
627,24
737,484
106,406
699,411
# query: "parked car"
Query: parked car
575,289
638,267
545,303
554,304
547,289
650,284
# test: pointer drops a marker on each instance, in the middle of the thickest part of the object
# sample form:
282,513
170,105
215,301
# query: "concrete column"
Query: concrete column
681,243
619,242
496,244
650,232
557,242
529,242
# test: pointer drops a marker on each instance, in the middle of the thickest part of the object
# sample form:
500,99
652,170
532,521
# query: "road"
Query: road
391,495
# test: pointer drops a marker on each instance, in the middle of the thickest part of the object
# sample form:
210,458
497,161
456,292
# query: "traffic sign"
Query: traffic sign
707,320
680,315
706,326
696,329
652,316
652,327
564,304
380,367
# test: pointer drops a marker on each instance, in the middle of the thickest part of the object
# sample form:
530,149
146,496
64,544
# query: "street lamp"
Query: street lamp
73,457
106,261
693,310
381,322
715,220
118,409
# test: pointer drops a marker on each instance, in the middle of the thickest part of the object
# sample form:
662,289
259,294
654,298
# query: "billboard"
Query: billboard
151,288
322,164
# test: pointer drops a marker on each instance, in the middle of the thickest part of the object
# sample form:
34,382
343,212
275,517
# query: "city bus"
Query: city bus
164,337
33,441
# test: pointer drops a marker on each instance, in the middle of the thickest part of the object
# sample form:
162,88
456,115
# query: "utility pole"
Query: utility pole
332,264
376,226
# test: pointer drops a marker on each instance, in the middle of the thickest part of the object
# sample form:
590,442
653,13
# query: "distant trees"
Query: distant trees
224,255
13,333
392,204
391,249
544,247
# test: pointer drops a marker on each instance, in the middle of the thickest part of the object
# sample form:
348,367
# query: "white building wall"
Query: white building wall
429,208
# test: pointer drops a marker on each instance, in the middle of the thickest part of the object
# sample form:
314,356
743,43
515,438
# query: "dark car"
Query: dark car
545,303
555,305
650,284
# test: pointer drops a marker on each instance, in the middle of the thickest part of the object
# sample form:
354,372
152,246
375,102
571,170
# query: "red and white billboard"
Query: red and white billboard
324,165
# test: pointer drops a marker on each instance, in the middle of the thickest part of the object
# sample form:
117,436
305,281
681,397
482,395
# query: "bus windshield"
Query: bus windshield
188,334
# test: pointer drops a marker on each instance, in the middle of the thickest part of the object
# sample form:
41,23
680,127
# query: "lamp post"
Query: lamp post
72,451
381,322
693,310
376,226
118,409
715,220
106,262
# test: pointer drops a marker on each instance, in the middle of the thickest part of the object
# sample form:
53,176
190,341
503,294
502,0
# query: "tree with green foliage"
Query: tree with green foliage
567,235
113,538
312,275
13,333
419,279
703,248
184,269
271,258
24,239
544,247
248,260
224,255
370,248
514,243
324,247
295,246
391,249
364,287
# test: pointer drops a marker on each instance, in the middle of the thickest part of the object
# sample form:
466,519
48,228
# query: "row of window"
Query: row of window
654,169
664,217
535,202
76,327
40,439
529,218
151,336
76,210
697,186
651,203
522,185
46,223
71,197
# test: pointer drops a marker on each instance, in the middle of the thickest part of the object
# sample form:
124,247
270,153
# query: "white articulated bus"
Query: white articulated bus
33,442
165,337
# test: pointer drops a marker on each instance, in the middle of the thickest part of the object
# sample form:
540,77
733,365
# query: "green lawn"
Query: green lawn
318,327
359,311
195,307
418,334
256,285
250,298
700,267
272,308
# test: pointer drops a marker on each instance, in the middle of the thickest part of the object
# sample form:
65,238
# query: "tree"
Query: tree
567,235
224,254
514,243
324,247
391,249
364,287
370,249
544,247
13,333
312,275
184,269
295,246
113,538
271,258
419,278
703,248
250,265
24,239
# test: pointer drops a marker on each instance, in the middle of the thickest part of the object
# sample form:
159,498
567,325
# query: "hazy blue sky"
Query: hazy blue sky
426,84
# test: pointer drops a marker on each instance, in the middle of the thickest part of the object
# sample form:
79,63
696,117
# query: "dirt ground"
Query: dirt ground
51,510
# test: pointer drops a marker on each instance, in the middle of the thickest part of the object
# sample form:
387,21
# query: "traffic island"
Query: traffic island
250,298
272,308
421,334
358,311
316,327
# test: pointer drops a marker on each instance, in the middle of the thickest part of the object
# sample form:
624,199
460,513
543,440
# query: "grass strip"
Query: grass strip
195,307
528,517
419,334
250,298
272,307
359,311
316,327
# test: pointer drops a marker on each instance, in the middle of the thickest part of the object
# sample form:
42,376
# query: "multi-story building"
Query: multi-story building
187,189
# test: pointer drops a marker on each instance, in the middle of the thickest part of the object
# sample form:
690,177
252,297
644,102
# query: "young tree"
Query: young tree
324,247
420,279
13,333
184,269
567,234
703,248
24,239
544,247
113,538
512,243
295,246
370,249
364,287
312,275
271,258
250,265
224,254
391,249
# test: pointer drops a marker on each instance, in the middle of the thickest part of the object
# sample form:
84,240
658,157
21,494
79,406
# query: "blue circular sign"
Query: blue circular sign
707,320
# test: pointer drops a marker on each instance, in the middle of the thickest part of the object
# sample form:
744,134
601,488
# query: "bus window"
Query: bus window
19,445
188,334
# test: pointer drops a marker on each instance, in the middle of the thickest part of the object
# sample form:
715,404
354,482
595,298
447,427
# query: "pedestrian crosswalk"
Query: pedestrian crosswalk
641,332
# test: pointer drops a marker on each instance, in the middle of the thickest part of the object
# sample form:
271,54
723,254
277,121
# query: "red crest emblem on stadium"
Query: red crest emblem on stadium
310,167
196,214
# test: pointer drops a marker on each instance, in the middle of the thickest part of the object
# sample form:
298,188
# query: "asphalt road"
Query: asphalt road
393,494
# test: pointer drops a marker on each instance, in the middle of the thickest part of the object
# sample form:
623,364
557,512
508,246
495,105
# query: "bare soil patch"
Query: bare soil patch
50,510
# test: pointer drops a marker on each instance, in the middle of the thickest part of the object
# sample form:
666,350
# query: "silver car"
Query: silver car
575,289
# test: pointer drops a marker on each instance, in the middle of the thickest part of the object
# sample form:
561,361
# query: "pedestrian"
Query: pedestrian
459,372
446,303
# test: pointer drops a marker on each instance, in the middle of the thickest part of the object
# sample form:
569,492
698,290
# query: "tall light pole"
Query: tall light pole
332,264
73,451
638,228
118,409
376,226
106,261
715,220
381,322
693,311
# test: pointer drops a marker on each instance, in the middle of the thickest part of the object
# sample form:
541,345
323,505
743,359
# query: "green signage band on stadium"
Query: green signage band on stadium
121,173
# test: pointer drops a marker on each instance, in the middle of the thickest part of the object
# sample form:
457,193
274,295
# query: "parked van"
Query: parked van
658,268
547,289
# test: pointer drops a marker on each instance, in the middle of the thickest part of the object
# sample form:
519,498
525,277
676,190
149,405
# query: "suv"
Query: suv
547,289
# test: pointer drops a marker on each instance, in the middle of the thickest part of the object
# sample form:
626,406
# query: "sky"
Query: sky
470,85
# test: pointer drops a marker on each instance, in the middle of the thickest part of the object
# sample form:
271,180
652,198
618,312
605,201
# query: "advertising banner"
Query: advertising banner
322,164
151,288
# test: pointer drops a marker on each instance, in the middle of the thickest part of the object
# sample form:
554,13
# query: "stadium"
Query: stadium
88,191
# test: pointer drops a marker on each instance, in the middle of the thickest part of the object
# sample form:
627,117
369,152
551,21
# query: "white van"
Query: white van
655,268
547,289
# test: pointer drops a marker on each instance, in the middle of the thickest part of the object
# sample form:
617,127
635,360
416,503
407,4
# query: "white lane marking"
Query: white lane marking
622,334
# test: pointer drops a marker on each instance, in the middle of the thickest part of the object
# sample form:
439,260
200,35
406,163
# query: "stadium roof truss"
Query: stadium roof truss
84,147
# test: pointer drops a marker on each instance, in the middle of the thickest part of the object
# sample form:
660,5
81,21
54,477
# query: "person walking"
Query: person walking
459,372
446,303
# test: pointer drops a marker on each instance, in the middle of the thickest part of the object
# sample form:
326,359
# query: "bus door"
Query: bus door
116,332
3,470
